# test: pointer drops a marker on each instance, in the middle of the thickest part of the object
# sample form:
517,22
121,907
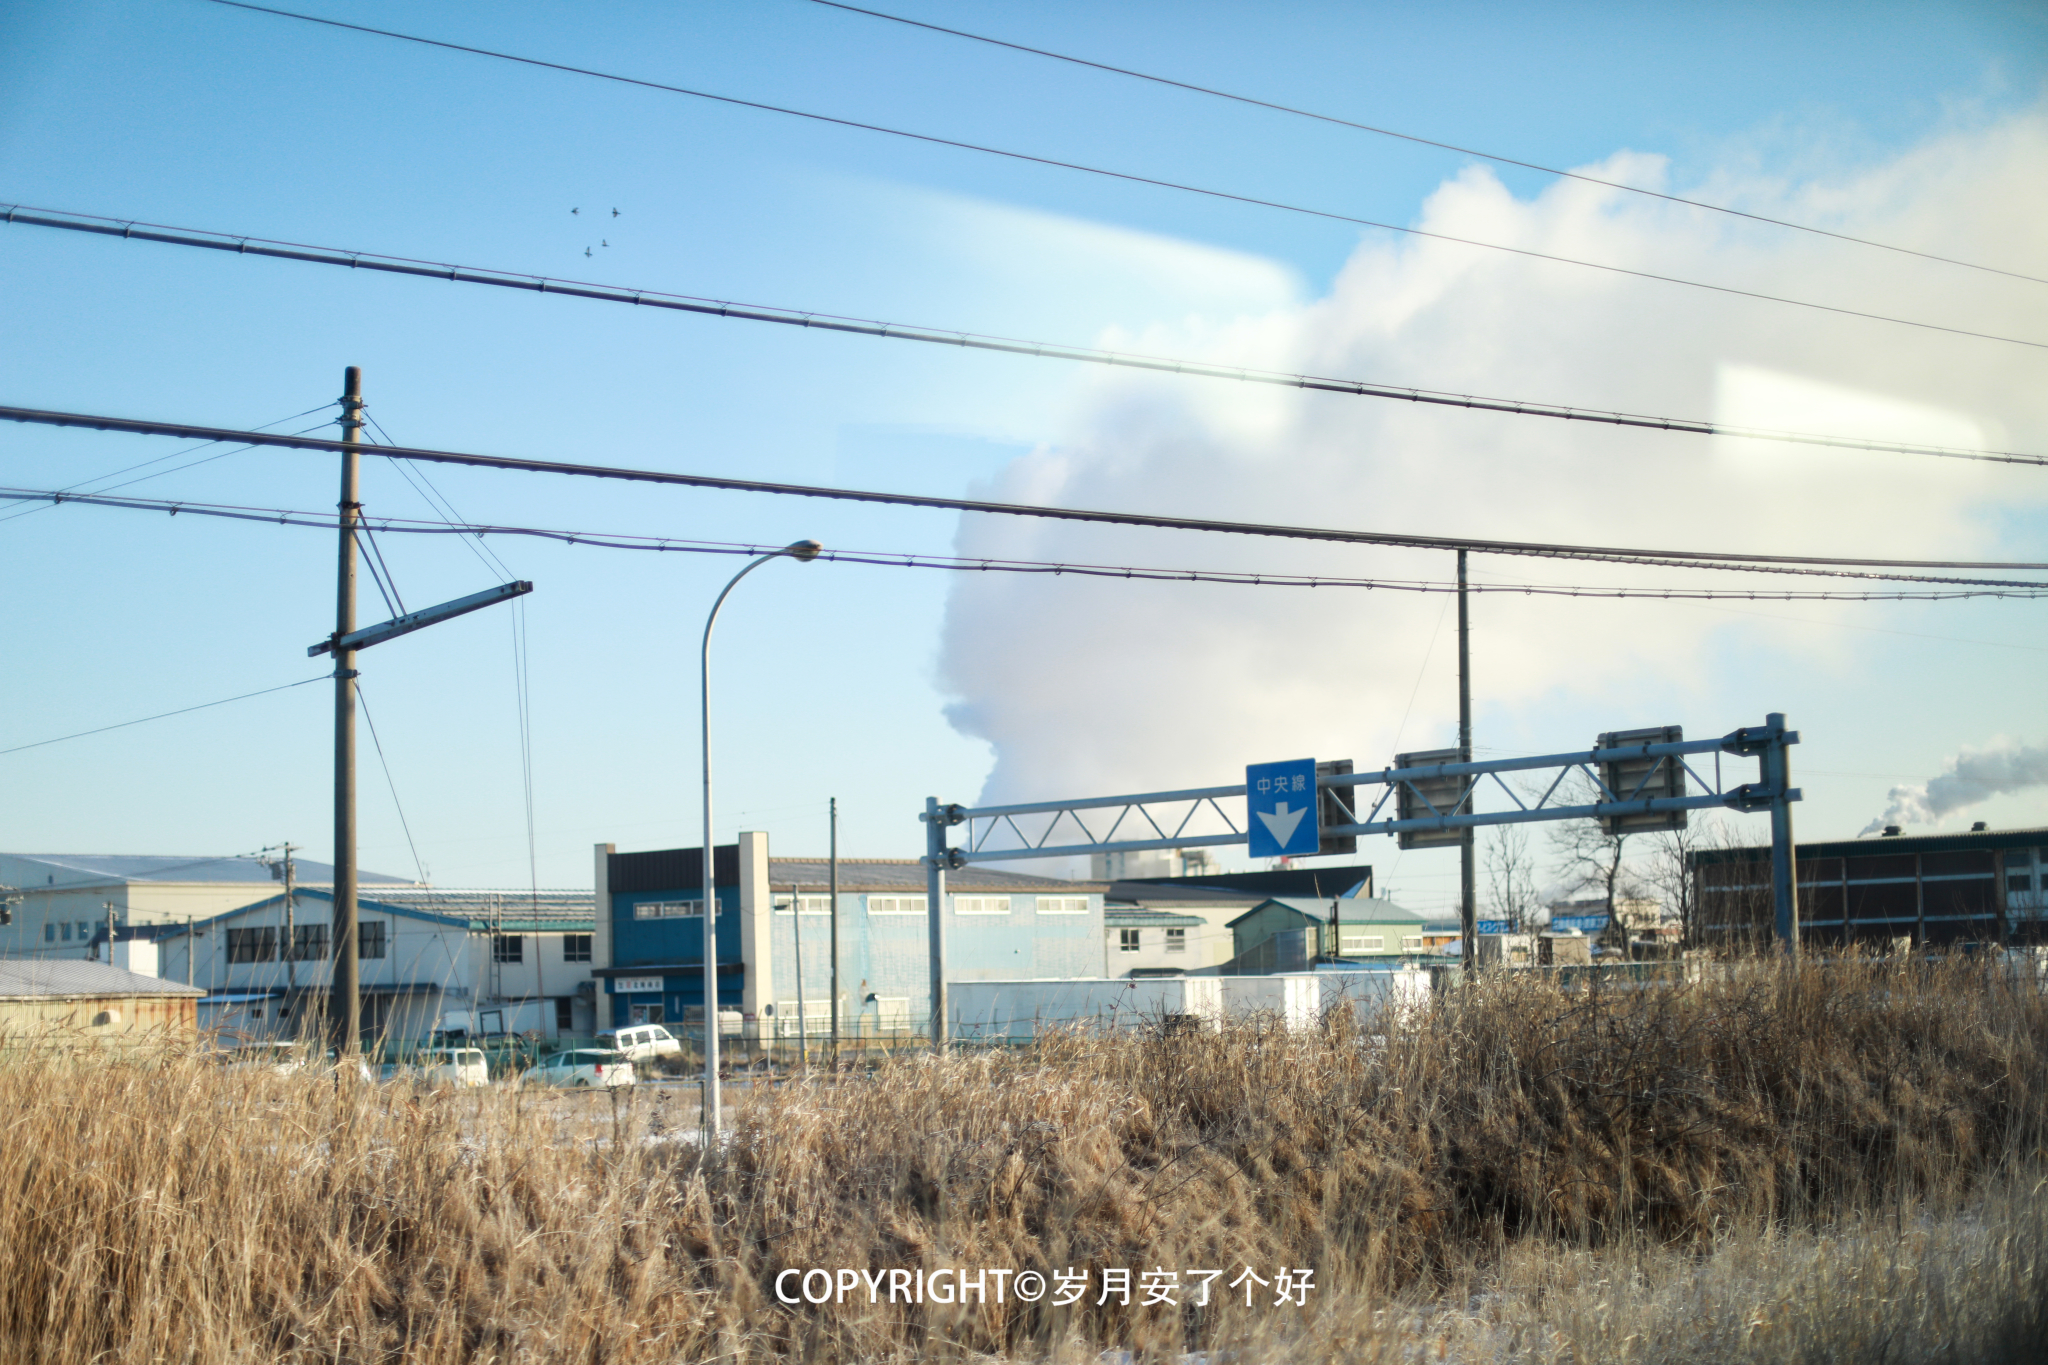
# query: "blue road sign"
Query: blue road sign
1280,804
1585,924
1491,926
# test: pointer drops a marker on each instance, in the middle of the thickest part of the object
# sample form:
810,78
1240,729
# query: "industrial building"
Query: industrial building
1980,887
67,899
650,936
509,961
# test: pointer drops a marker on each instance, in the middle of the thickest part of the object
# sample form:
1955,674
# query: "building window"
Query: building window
508,948
1412,943
67,931
84,930
669,909
370,938
809,905
565,1013
1127,940
1176,940
1062,905
252,945
50,932
1361,943
981,905
896,905
309,943
575,947
892,1013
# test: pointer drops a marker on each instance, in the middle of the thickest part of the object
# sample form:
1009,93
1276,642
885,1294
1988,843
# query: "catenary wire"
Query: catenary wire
307,253
1494,157
1721,559
1947,589
363,700
189,450
1130,177
165,715
437,502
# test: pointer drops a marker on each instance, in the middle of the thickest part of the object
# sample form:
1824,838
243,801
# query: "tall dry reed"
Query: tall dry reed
162,1209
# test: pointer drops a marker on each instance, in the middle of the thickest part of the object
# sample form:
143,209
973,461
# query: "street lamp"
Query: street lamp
804,550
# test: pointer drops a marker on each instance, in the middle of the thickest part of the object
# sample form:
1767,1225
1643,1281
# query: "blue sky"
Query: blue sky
882,686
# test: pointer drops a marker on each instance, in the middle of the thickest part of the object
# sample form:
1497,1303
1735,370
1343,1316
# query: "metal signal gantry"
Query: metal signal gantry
1637,781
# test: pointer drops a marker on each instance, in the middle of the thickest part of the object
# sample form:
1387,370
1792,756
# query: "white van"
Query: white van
450,1066
641,1042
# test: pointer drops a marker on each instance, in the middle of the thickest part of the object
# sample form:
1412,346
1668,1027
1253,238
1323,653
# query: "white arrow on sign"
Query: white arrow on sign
1280,822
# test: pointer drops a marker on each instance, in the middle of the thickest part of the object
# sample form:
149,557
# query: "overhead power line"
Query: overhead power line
1133,178
899,559
165,715
1711,559
1419,140
133,230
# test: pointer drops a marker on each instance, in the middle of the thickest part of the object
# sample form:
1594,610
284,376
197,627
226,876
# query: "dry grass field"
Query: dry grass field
1815,1164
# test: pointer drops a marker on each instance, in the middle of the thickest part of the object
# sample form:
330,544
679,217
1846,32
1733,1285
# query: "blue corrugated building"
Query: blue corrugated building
999,926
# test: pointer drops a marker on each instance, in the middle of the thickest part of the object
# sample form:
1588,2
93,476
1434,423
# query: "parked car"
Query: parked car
641,1042
450,1066
582,1069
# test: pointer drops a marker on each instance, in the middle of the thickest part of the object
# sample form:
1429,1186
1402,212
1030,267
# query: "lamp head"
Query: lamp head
805,550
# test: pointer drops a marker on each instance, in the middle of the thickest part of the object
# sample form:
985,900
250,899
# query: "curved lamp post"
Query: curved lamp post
803,550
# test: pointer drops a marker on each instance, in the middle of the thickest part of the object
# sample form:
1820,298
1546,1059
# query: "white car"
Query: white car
641,1042
582,1069
463,1066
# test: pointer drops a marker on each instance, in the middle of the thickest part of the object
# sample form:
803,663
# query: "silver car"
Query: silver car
582,1069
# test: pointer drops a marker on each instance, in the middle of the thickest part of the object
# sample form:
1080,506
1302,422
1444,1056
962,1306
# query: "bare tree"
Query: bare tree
1510,876
1591,859
1673,875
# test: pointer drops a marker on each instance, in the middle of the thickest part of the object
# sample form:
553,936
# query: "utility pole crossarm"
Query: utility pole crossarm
419,620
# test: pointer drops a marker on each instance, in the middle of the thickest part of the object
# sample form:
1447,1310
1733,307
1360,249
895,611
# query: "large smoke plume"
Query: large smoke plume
1973,777
1084,686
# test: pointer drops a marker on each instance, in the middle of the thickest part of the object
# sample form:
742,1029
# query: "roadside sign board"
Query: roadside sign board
1585,924
1492,926
1280,807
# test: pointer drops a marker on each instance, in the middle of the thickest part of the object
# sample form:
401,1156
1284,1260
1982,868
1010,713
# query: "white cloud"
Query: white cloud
1085,690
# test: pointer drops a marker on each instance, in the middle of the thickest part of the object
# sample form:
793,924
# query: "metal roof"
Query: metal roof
1878,845
907,874
90,868
1342,880
509,911
1158,893
1354,910
40,978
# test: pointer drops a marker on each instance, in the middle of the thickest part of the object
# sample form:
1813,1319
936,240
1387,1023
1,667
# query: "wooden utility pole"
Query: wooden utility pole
832,897
346,1013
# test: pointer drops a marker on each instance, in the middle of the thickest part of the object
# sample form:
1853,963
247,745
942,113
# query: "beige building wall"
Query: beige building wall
601,932
757,922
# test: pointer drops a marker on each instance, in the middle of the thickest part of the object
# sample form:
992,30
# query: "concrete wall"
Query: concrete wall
1294,1000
